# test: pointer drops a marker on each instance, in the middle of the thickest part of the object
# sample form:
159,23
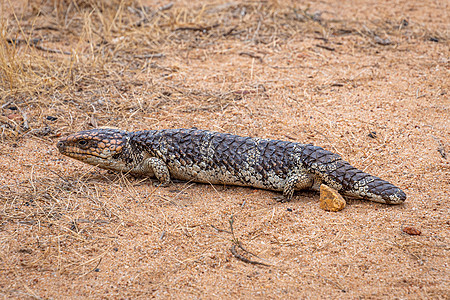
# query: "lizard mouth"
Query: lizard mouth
76,153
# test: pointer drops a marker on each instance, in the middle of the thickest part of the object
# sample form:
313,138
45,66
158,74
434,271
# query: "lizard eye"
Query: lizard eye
82,142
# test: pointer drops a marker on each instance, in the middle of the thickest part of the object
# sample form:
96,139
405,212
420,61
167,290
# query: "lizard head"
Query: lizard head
104,148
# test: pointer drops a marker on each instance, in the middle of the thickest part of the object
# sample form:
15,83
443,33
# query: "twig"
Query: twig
203,29
229,31
94,268
65,180
336,284
152,55
325,47
259,89
252,55
47,28
220,230
144,19
236,242
39,47
417,94
244,259
166,7
7,104
441,148
168,200
256,31
35,43
32,42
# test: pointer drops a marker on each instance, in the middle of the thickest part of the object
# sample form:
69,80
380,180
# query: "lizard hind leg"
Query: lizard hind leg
297,181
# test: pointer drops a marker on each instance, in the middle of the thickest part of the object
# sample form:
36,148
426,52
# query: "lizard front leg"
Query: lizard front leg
157,167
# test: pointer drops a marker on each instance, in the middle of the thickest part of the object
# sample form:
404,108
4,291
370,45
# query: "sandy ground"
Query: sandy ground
366,79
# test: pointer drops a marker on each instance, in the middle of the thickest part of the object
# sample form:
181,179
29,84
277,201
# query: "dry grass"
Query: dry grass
328,73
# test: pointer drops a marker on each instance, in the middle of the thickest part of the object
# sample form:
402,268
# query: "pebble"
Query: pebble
412,231
330,199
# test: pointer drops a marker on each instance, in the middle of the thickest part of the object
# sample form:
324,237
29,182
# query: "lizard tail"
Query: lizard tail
339,174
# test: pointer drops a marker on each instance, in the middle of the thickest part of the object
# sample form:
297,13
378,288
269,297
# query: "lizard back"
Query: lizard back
221,158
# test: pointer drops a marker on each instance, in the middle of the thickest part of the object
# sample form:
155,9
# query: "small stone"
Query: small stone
372,135
433,39
381,41
330,199
412,231
51,118
15,117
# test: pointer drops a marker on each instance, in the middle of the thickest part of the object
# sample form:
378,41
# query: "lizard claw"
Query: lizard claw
281,199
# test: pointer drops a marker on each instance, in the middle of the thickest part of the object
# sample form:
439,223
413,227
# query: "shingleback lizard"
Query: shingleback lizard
220,158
